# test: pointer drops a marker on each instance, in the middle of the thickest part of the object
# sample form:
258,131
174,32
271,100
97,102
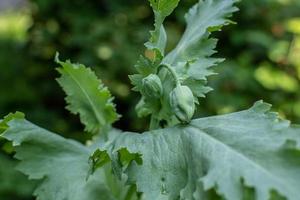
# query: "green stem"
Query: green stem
154,123
111,181
173,73
130,192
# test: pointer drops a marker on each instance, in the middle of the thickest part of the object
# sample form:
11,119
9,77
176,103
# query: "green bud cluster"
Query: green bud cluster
181,98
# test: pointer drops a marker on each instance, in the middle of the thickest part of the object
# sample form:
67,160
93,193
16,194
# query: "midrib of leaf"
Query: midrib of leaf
243,157
205,20
193,31
99,118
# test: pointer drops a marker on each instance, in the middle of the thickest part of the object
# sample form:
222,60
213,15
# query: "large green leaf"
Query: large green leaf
62,165
248,149
87,96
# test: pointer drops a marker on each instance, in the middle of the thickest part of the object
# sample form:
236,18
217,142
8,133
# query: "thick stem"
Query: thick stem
154,123
173,73
130,192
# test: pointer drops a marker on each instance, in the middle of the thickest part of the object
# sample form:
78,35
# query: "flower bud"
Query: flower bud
152,87
182,103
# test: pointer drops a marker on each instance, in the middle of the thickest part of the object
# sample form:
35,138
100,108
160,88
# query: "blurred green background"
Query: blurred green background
262,54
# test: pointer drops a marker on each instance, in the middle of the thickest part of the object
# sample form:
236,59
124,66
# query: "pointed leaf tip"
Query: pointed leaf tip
87,96
261,106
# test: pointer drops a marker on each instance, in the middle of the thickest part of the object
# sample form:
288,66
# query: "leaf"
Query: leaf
191,57
162,9
228,153
87,96
61,164
145,67
202,19
9,178
10,116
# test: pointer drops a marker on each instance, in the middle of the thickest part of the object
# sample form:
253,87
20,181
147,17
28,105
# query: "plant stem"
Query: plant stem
130,192
154,123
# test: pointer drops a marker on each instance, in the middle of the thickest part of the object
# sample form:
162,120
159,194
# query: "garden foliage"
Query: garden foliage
251,154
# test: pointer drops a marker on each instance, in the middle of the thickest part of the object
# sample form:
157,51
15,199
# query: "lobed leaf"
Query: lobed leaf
61,165
228,153
158,40
10,116
202,19
164,7
87,96
191,58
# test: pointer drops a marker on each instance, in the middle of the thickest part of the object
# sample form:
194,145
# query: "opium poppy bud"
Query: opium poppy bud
152,86
182,103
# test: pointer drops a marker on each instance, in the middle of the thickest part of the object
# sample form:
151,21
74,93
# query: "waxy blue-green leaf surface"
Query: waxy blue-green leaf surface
251,148
62,165
87,96
191,58
202,19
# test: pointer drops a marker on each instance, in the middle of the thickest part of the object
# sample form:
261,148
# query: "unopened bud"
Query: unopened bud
182,103
152,86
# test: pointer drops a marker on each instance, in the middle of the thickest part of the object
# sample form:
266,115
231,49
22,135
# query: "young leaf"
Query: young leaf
10,116
191,57
145,67
202,19
190,63
62,164
248,149
162,9
87,96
